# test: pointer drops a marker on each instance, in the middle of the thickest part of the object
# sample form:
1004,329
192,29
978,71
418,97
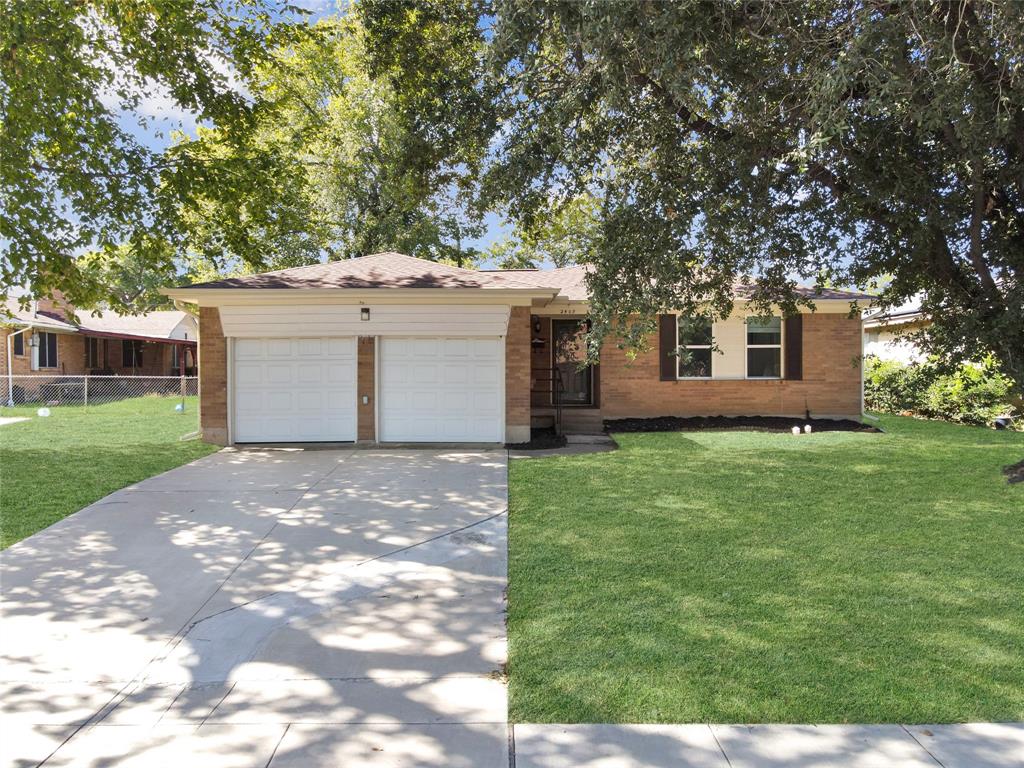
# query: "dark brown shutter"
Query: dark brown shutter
794,347
667,343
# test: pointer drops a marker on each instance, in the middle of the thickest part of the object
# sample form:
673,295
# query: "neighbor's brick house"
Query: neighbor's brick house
50,338
390,348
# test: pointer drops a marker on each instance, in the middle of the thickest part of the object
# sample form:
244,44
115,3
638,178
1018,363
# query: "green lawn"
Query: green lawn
51,467
754,577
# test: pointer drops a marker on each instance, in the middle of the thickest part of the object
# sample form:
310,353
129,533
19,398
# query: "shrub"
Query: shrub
892,387
971,394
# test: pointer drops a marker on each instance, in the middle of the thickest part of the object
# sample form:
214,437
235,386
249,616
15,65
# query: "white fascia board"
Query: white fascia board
216,297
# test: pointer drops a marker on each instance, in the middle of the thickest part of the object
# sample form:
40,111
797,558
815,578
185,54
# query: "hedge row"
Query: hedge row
972,394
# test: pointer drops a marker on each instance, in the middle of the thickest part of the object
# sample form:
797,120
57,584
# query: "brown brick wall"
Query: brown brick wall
21,365
213,385
367,430
517,376
830,385
70,356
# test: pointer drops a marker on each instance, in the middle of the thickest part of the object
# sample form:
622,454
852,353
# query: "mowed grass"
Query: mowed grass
51,467
754,577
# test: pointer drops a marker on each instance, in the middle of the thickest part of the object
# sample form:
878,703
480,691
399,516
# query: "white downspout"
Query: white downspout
10,364
862,367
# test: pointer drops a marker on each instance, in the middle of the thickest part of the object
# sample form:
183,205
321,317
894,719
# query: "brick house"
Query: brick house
50,337
390,348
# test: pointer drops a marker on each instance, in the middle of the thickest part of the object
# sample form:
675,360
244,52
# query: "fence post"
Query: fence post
86,404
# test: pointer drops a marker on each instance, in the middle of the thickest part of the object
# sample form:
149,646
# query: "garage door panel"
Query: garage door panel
247,349
309,373
445,389
277,347
294,390
310,348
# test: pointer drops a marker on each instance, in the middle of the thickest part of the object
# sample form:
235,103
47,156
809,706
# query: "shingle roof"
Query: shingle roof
741,291
155,325
152,325
396,270
571,284
379,270
12,313
570,281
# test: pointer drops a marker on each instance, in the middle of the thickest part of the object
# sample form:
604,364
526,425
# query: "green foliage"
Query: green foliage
568,233
893,387
328,168
826,140
968,394
73,75
131,279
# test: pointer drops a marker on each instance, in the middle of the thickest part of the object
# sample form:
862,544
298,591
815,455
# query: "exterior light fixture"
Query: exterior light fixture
33,340
364,313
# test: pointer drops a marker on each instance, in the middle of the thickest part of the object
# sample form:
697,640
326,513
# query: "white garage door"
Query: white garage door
442,390
295,390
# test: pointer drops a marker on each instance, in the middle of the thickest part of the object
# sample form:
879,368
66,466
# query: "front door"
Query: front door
568,351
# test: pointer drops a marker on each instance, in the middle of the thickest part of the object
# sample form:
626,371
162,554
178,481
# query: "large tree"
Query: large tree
330,167
77,81
830,140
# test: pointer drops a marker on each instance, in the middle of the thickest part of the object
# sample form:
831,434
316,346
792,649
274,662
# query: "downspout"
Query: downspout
10,364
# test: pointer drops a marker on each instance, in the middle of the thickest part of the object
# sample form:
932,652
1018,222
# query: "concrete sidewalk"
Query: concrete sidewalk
972,745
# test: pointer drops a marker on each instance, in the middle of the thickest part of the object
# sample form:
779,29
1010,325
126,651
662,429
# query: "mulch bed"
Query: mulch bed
756,423
1014,473
540,440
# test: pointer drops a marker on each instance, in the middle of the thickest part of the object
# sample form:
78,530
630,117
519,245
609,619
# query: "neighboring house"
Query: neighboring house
50,337
886,332
391,348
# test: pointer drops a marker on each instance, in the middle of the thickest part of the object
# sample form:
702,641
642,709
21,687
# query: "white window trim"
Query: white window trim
780,346
710,346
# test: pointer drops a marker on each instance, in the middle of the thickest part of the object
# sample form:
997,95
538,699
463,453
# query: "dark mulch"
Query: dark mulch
1015,472
757,423
540,440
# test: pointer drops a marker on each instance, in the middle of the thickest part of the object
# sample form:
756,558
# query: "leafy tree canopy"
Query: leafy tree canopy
328,168
821,140
73,175
566,234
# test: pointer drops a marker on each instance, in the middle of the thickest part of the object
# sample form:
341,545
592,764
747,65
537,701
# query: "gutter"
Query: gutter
184,306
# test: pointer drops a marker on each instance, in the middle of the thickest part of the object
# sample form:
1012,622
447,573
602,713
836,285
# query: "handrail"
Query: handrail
555,391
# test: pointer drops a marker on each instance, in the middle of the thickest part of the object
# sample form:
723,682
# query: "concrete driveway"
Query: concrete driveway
255,608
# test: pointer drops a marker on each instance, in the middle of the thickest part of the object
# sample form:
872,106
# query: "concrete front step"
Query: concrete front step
574,420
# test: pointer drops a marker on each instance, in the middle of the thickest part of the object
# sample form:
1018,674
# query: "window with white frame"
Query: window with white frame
695,341
764,348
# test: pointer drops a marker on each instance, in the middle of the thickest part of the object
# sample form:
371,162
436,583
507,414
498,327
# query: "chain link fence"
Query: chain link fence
86,391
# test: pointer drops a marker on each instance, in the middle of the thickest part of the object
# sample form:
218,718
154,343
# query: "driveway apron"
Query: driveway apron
266,608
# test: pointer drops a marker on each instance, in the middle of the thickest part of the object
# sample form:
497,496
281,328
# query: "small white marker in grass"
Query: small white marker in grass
796,430
43,412
807,429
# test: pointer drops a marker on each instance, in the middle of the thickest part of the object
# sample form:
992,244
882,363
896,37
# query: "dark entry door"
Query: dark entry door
568,350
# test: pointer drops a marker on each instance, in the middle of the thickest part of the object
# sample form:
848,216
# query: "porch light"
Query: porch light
364,313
